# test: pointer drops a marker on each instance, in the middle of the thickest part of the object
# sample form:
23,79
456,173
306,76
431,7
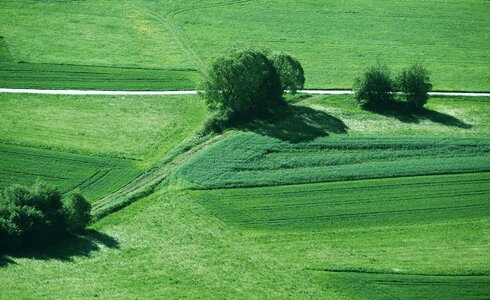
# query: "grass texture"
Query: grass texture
335,40
165,245
131,127
372,239
95,176
249,159
95,143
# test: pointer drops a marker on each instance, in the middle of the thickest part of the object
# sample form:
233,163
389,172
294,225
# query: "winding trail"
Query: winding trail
194,92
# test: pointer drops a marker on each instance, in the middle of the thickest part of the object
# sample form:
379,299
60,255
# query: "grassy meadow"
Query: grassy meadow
322,200
372,239
139,128
328,138
94,143
334,40
412,225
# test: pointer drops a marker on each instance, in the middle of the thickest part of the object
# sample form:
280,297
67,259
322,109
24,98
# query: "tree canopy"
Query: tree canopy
290,71
241,83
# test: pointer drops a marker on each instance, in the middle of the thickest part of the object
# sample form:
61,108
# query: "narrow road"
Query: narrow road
193,92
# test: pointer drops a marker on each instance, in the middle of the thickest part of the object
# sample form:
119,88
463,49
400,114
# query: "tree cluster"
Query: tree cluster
245,83
375,89
39,215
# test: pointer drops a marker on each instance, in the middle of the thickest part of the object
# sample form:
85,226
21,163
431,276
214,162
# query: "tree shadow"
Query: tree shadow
84,244
5,261
295,124
402,112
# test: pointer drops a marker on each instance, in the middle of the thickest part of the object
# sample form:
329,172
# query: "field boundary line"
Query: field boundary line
194,92
148,181
475,274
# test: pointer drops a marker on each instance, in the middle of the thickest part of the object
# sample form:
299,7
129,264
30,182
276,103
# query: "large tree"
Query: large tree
241,84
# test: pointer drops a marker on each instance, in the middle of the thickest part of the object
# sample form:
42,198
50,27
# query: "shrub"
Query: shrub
290,71
76,211
241,84
374,88
37,216
10,233
414,85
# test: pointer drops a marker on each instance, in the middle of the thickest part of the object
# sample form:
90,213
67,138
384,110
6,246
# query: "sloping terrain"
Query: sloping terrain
97,144
404,237
166,44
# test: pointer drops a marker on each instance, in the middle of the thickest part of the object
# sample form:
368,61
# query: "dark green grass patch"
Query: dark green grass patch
249,159
57,76
341,205
433,225
94,176
395,286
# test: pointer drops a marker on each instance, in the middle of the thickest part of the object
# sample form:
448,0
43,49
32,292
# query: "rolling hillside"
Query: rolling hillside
166,44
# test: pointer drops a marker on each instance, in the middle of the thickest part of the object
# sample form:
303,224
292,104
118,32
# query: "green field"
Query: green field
412,225
322,200
333,40
132,127
330,138
95,176
392,237
94,143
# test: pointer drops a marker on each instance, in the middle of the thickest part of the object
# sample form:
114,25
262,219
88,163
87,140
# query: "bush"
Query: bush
241,84
76,211
414,85
290,71
37,216
374,88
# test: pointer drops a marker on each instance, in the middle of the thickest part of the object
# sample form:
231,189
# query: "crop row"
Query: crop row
54,76
409,200
249,159
94,176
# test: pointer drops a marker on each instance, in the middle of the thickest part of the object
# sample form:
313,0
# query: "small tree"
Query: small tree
414,84
240,84
76,211
38,215
374,88
290,71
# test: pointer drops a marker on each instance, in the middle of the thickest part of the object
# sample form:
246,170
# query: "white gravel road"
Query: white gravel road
91,92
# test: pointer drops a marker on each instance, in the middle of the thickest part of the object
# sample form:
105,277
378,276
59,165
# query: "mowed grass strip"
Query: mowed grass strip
342,205
141,128
56,76
399,228
94,176
442,116
250,159
389,286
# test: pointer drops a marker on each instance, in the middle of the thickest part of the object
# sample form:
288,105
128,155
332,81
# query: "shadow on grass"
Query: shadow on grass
84,244
406,114
295,124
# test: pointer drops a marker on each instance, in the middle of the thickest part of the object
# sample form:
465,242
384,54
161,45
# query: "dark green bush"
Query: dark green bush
290,71
414,85
374,89
240,85
76,211
37,216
